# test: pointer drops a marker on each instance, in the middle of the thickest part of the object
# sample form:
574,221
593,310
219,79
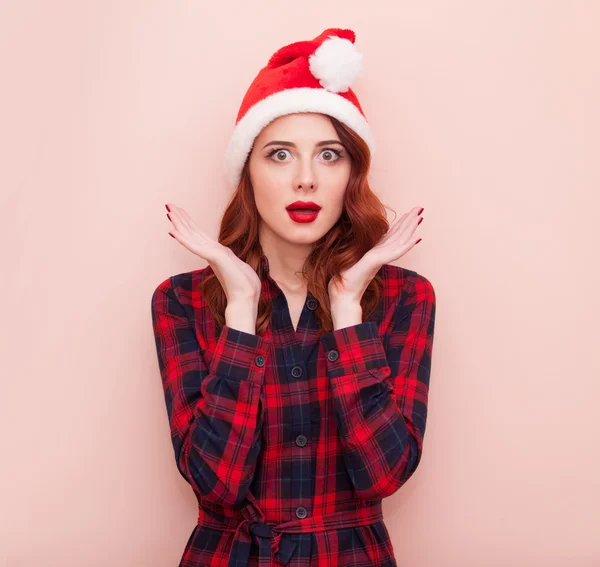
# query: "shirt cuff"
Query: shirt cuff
240,356
353,349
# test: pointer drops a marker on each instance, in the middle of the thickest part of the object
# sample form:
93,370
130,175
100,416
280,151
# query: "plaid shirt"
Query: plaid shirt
290,440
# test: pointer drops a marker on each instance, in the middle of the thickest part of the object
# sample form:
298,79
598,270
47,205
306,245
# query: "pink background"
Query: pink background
485,113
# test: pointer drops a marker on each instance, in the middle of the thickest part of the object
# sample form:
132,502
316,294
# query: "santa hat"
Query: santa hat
306,76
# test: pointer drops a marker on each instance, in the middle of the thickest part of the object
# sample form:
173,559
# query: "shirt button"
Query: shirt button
301,440
311,304
301,512
260,360
297,371
333,355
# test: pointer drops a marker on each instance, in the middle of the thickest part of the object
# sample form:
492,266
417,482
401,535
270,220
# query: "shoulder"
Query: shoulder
405,286
183,287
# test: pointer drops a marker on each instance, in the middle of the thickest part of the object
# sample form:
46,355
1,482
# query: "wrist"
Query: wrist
345,314
243,303
242,316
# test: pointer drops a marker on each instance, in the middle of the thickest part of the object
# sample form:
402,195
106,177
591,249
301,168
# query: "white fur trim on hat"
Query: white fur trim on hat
289,101
336,63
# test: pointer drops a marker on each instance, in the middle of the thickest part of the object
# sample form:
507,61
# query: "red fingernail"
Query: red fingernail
168,208
422,209
169,216
420,221
417,242
171,235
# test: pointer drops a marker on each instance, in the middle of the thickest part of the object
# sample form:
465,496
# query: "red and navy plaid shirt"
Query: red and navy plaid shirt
290,440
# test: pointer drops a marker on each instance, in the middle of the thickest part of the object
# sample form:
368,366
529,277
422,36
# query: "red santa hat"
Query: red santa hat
306,76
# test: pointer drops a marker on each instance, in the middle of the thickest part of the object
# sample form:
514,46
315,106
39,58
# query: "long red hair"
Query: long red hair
362,224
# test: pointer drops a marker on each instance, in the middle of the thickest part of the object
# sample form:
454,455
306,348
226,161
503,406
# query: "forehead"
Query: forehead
299,126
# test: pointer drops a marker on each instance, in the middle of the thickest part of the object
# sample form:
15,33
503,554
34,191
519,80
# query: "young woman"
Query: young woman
296,365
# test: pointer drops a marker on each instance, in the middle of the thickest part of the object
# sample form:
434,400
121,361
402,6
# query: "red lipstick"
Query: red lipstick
303,211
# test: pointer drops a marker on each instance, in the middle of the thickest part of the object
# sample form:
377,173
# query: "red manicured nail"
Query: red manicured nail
169,216
422,209
420,221
417,242
168,208
171,235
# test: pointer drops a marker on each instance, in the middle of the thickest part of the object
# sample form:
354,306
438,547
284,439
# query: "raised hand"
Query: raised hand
397,241
239,280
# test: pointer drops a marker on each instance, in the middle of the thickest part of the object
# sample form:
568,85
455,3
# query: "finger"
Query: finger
401,240
395,227
182,216
411,224
181,238
173,215
412,212
412,215
410,245
186,220
176,235
179,221
190,221
401,220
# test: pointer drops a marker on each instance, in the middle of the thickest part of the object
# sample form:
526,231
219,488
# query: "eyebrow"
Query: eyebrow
292,145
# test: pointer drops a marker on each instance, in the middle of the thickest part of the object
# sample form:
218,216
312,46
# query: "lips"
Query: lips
303,218
303,207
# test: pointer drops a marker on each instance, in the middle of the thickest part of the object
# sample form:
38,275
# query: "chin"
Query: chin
304,235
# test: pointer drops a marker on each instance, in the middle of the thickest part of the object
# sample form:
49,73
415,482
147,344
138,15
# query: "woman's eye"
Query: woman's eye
277,154
330,154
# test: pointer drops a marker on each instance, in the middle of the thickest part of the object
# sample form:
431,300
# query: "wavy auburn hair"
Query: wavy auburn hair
361,225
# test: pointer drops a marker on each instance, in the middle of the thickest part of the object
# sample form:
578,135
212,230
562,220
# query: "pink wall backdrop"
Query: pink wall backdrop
486,113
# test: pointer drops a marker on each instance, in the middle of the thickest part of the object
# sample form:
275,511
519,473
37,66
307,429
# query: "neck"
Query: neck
286,261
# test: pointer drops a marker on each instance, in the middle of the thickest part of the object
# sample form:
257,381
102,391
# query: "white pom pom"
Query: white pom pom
336,63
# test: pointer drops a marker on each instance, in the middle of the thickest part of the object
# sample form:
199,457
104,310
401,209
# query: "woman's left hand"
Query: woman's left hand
395,243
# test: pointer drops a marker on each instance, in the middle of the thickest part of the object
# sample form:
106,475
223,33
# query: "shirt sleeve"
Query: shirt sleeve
215,412
380,393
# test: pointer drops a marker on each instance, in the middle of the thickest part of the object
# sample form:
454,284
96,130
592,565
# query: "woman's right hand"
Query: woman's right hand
238,279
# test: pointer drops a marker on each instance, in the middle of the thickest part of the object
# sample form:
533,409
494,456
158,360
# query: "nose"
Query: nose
305,178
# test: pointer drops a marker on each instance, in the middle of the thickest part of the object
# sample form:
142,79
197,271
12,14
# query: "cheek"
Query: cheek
264,176
337,176
338,202
267,193
338,182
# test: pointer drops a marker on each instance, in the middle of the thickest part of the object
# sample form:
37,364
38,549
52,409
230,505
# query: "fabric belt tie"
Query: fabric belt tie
271,538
